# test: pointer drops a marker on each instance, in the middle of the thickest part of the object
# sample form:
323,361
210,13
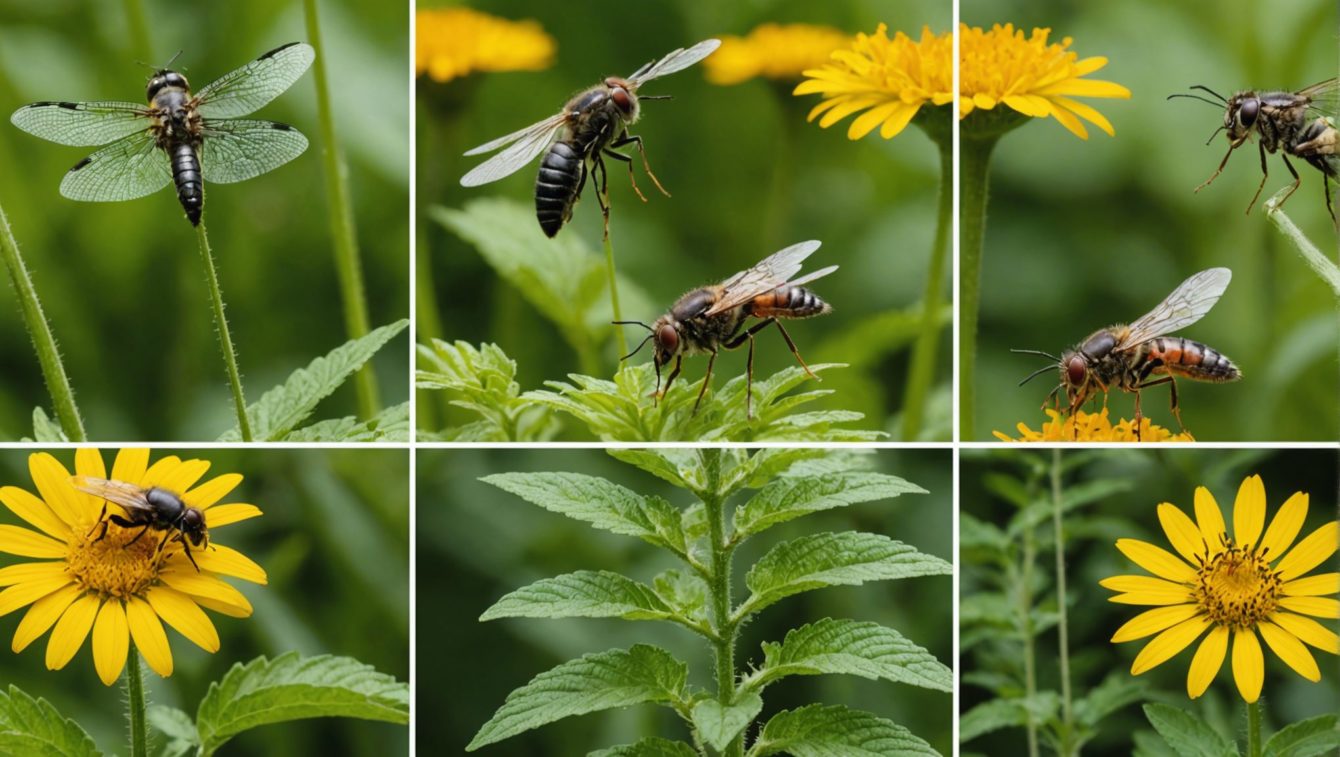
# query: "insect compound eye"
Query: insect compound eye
1075,370
667,340
622,98
1248,111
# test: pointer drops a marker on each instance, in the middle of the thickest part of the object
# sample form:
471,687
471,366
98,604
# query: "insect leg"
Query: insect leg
1265,173
679,360
1177,411
626,139
137,536
1217,171
707,379
748,336
1297,180
186,547
795,351
602,189
99,522
629,161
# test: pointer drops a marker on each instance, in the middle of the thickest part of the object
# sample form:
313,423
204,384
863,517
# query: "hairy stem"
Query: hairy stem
35,321
135,720
225,339
1025,609
1067,713
1254,729
347,264
720,586
622,340
1320,264
921,372
975,164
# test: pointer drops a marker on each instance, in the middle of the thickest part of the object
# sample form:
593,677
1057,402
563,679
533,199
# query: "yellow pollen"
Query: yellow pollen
115,564
1237,587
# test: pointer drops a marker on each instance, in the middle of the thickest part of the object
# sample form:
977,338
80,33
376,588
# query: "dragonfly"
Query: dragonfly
178,138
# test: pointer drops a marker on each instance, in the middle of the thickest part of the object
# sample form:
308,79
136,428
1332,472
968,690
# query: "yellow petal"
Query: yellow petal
1086,88
844,109
1284,527
229,562
1153,621
1146,590
1029,105
42,615
180,612
224,608
53,484
1249,511
1167,644
1210,519
1315,548
200,586
213,490
111,641
1311,586
33,510
1309,630
1156,560
1182,533
130,465
894,126
223,515
1069,121
179,478
1205,665
88,462
1085,112
1287,647
70,631
24,543
1088,65
150,638
868,121
1320,607
28,592
1249,669
11,575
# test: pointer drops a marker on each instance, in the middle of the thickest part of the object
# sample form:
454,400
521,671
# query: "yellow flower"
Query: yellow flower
118,584
1234,587
455,42
1030,76
890,79
1092,427
773,51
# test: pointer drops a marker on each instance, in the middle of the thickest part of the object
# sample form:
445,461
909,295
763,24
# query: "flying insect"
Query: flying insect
151,509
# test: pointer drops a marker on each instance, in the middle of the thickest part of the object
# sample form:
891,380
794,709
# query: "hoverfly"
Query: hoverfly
177,138
1301,124
710,318
152,508
1125,357
579,138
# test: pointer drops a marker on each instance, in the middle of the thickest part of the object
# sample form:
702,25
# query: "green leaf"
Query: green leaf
583,594
1074,497
178,727
390,425
651,746
1007,713
483,381
685,592
834,730
1306,738
830,559
293,687
33,728
1116,691
281,409
789,498
603,504
718,724
853,647
600,681
1187,734
46,430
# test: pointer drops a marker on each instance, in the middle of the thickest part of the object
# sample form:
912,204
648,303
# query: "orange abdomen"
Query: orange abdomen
787,302
1192,359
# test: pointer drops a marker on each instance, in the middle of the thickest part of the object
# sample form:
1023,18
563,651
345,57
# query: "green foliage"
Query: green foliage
45,430
1187,734
649,747
486,379
33,728
703,536
1306,738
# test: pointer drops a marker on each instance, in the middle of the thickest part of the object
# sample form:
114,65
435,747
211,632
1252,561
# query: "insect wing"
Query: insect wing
237,150
1187,304
770,273
525,145
124,170
1325,97
676,61
81,124
248,88
129,496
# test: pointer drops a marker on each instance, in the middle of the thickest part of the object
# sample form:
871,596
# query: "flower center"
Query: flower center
1237,586
118,562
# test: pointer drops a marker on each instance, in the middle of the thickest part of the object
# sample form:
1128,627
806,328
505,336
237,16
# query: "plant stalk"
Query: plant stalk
921,372
1320,264
1067,712
621,339
720,585
225,338
135,717
1026,621
35,321
347,264
1254,729
974,170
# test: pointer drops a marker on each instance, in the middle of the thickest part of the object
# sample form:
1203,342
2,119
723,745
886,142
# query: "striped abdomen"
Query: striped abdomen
186,175
788,302
556,188
1184,357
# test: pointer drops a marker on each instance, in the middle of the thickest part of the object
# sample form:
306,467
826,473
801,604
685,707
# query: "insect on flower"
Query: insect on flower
179,137
1126,357
710,318
579,138
152,508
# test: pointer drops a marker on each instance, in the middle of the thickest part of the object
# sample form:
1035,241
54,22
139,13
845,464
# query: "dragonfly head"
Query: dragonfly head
162,80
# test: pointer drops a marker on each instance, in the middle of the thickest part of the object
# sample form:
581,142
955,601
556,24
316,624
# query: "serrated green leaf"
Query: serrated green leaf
832,730
33,728
679,466
1187,734
991,716
788,498
482,380
1073,497
45,430
390,425
685,592
651,746
853,647
830,559
718,724
616,678
1306,738
281,409
173,723
601,503
583,594
293,687
975,535
1116,691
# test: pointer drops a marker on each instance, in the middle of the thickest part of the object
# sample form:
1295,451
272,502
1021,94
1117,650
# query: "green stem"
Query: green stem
975,163
48,356
225,339
347,265
139,30
1026,622
720,585
1254,729
134,686
614,295
1067,713
1321,265
921,373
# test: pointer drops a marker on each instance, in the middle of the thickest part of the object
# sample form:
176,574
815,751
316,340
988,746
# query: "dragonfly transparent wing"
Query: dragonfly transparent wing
237,150
127,168
676,61
524,146
81,124
126,495
770,273
248,88
1188,303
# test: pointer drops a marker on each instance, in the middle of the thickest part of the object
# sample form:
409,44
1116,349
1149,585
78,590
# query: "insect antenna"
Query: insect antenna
1213,135
656,97
638,348
1040,353
1037,373
641,344
1198,97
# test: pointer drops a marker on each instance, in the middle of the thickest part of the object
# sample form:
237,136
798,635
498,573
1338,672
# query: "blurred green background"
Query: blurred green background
1081,235
334,541
122,283
476,543
748,174
1151,477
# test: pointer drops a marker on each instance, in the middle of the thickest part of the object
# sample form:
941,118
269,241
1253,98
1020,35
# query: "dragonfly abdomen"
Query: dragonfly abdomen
186,175
556,187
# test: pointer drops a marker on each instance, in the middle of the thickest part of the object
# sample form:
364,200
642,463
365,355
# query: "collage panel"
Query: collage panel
630,258
1126,602
1135,241
167,164
248,601
531,559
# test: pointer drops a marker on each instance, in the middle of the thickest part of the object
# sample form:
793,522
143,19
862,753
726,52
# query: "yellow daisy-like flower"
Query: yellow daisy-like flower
118,583
454,42
1092,427
773,51
1233,587
889,79
1030,76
